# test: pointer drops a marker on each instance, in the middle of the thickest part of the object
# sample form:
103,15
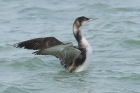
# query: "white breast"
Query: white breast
85,65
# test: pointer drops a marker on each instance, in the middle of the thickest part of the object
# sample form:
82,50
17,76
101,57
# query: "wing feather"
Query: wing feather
39,43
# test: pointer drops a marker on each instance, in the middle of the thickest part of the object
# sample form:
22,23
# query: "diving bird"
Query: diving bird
72,58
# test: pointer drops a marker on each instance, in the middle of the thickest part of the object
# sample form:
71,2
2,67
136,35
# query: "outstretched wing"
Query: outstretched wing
66,53
39,43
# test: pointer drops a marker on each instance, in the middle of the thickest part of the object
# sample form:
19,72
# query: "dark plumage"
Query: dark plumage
39,43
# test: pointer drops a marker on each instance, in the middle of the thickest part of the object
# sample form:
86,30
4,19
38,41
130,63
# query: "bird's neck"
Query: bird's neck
78,35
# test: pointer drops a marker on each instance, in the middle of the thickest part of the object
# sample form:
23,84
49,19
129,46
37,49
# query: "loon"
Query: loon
72,58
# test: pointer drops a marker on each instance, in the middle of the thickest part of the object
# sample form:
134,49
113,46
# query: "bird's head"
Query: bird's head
79,21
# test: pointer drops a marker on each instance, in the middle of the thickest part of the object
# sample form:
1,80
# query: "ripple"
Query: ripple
99,5
130,22
32,63
131,43
4,21
132,76
124,9
13,89
34,9
34,13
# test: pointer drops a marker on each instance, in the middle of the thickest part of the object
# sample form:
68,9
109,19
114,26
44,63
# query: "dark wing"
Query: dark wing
39,43
66,53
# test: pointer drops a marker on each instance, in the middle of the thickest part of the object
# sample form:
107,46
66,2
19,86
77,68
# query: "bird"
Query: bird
72,58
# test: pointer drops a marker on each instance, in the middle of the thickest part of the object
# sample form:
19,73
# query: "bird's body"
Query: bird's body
72,58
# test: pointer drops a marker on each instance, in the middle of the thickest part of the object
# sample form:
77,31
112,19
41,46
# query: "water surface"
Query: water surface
114,37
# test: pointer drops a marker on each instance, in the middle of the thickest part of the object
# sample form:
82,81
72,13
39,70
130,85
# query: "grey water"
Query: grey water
114,37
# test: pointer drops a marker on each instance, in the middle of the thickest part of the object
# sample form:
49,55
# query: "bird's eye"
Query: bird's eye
86,19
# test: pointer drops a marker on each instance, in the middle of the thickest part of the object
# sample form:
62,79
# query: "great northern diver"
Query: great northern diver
72,58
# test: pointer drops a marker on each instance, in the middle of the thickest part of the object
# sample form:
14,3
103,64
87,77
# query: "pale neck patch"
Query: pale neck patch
76,27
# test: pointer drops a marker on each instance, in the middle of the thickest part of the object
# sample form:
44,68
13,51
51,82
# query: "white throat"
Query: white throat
85,65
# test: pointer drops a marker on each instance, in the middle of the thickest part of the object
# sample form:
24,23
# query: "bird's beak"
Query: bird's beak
90,19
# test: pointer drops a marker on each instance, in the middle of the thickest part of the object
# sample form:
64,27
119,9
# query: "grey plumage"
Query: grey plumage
66,53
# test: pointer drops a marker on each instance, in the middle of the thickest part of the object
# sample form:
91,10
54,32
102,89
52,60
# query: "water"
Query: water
114,37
